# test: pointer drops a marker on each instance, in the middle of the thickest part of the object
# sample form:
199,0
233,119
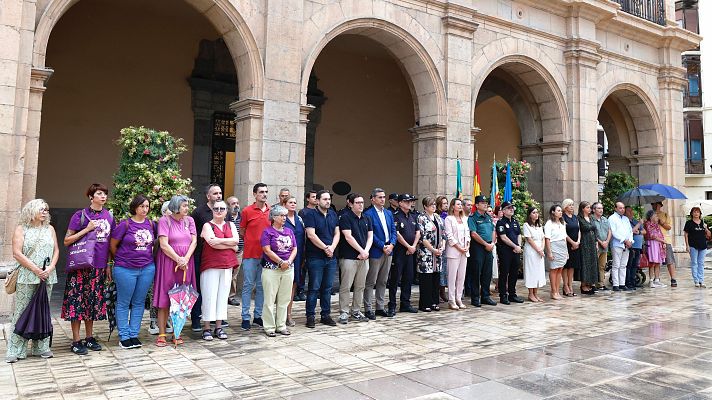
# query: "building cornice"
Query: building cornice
38,79
247,108
429,132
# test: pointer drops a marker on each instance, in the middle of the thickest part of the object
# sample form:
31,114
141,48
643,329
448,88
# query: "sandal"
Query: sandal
206,335
161,341
177,340
220,333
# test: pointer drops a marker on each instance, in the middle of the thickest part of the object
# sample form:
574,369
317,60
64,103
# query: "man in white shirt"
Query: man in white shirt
621,241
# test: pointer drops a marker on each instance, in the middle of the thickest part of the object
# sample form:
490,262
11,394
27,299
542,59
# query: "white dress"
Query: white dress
534,273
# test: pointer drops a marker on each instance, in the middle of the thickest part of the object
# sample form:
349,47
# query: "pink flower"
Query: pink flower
147,151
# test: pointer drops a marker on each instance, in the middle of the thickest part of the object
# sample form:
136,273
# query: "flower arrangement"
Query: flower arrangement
521,196
148,166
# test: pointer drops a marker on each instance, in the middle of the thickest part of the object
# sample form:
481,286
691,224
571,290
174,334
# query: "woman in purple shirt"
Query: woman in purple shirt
132,248
84,292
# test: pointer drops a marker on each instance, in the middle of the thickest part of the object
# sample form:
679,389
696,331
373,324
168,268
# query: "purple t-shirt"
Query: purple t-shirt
105,224
135,243
281,243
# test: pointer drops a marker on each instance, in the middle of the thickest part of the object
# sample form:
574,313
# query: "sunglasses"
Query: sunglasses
219,209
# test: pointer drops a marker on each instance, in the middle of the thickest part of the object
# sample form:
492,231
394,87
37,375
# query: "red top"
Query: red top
254,221
218,258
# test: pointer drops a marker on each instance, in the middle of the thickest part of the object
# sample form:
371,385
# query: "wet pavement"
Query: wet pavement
651,344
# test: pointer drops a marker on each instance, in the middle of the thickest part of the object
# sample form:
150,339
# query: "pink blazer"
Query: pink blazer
454,235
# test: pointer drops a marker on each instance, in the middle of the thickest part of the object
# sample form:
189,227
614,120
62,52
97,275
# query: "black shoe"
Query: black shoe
126,344
409,309
136,342
615,289
673,283
391,313
623,288
245,325
631,288
370,315
92,344
588,292
234,301
516,299
504,300
382,313
602,288
476,303
311,323
258,321
328,321
489,301
301,297
79,349
195,326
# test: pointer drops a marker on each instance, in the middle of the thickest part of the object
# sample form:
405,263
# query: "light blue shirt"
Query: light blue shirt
620,230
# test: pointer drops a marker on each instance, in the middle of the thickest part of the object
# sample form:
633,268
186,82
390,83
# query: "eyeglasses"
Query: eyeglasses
219,209
282,215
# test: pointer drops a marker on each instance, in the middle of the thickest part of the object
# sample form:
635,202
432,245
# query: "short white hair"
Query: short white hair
31,210
566,203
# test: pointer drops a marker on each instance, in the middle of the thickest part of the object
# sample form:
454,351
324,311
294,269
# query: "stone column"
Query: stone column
580,178
459,28
248,142
532,153
429,148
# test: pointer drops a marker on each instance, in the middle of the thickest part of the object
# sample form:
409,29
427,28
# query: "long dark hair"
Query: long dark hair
583,205
530,210
552,210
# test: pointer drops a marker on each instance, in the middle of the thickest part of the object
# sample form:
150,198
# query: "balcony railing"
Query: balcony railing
694,166
651,10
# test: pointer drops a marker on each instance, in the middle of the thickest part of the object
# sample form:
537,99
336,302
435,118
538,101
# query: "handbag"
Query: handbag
80,254
644,263
11,277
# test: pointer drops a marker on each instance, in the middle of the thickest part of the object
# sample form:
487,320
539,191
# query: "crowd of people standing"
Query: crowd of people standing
264,257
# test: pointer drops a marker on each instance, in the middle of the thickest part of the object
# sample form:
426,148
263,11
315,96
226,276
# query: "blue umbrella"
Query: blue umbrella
666,191
640,197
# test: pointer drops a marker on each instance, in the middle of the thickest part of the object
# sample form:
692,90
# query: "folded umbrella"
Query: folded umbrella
36,321
639,197
110,298
182,298
666,191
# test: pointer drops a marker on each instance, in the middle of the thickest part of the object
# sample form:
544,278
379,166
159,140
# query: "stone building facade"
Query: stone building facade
561,66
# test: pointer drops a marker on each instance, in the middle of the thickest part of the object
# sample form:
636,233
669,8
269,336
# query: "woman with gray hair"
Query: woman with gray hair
174,263
34,247
279,248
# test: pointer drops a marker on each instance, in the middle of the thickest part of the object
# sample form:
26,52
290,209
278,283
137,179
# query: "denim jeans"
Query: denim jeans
252,274
697,264
321,277
131,288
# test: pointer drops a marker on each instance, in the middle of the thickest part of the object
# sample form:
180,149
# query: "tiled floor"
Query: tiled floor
650,344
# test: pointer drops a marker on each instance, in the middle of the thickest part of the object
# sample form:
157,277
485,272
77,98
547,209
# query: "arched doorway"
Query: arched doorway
378,100
520,114
628,138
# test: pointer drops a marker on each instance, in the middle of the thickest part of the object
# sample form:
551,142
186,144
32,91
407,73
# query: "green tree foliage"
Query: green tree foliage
148,166
617,183
521,196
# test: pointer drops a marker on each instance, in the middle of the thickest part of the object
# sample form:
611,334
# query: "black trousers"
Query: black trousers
197,309
429,289
508,271
480,262
402,271
631,269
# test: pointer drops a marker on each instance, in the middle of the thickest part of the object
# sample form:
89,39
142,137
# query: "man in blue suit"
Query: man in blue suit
380,254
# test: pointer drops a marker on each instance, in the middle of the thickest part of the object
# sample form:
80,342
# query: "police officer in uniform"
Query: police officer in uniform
508,251
408,236
481,248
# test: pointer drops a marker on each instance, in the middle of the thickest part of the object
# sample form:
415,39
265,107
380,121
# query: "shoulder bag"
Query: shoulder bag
11,278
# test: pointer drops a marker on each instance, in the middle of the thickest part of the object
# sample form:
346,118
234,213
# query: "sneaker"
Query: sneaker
370,315
126,344
234,301
615,289
697,284
79,349
196,327
92,344
623,288
47,354
660,284
245,325
169,327
137,343
311,322
223,324
359,317
343,318
653,284
11,359
258,321
673,283
328,321
702,285
153,328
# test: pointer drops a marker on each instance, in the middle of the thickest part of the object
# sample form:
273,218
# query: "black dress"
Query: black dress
589,255
572,230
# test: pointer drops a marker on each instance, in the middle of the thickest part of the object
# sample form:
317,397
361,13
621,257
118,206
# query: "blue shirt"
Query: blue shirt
299,235
637,239
324,226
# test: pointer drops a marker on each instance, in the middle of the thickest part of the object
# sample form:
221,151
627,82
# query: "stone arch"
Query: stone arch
421,72
226,19
633,129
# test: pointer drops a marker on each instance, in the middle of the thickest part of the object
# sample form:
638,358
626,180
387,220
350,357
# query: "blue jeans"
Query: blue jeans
697,264
252,274
321,277
131,288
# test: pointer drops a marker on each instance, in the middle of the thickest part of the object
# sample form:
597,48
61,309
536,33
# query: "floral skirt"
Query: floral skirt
84,295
